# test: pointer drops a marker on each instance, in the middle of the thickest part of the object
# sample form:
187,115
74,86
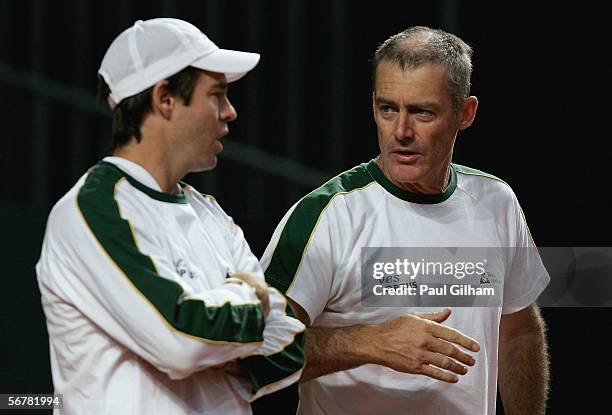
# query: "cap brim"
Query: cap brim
234,64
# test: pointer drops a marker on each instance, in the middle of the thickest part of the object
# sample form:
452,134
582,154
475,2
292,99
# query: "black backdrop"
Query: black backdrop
304,115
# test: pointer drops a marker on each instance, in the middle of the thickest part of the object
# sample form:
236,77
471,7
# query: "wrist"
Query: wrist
362,345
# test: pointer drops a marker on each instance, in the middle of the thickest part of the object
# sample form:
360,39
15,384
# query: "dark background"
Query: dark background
303,116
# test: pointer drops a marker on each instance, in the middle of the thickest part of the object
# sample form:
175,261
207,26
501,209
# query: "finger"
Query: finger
241,275
455,336
250,278
437,316
265,308
266,304
432,372
245,278
265,301
447,349
444,362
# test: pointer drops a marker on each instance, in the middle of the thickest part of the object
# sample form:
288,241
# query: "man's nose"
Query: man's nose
228,112
404,126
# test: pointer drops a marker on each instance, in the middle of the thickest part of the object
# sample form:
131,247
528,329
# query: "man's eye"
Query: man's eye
385,108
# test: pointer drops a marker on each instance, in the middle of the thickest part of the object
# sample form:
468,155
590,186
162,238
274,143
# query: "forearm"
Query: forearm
330,350
412,343
523,372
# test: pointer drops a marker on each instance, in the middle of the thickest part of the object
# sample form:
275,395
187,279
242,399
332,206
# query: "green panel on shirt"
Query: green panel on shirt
227,323
297,232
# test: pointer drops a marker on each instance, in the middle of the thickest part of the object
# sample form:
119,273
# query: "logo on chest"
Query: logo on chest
182,270
487,277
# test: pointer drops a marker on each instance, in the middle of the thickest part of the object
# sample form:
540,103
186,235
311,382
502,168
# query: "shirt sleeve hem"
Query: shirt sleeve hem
530,297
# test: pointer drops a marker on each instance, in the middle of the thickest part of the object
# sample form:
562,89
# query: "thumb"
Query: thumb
437,316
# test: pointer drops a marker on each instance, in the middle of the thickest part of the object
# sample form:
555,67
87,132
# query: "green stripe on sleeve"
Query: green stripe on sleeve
291,246
475,172
266,370
225,323
469,170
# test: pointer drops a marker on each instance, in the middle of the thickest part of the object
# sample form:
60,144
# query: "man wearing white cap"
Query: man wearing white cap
153,299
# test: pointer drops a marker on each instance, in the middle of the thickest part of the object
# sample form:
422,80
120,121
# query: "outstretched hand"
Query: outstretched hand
417,343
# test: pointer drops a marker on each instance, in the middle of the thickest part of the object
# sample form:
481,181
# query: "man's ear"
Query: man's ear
468,112
161,100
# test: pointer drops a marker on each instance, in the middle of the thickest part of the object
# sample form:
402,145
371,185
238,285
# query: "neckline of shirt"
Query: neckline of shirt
140,178
408,196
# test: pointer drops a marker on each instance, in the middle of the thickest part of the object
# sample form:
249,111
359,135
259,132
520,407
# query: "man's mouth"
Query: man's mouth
406,156
406,152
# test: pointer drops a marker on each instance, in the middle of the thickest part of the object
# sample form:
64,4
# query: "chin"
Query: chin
205,166
404,173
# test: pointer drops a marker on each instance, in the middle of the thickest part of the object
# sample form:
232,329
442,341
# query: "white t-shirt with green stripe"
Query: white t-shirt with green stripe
139,307
314,257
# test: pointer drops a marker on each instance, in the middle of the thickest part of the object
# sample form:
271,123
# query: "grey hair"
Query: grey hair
421,45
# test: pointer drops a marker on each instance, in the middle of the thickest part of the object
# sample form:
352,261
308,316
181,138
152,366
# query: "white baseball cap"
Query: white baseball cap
155,49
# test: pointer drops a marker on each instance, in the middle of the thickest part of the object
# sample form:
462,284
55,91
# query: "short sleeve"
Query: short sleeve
299,261
526,277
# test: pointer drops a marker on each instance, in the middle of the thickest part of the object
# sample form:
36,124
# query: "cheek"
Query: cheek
214,106
385,132
442,145
384,142
209,119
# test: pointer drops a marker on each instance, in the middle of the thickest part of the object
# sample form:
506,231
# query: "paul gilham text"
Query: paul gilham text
423,289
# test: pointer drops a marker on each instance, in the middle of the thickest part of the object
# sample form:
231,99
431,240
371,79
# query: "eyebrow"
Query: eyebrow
383,100
221,84
424,104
